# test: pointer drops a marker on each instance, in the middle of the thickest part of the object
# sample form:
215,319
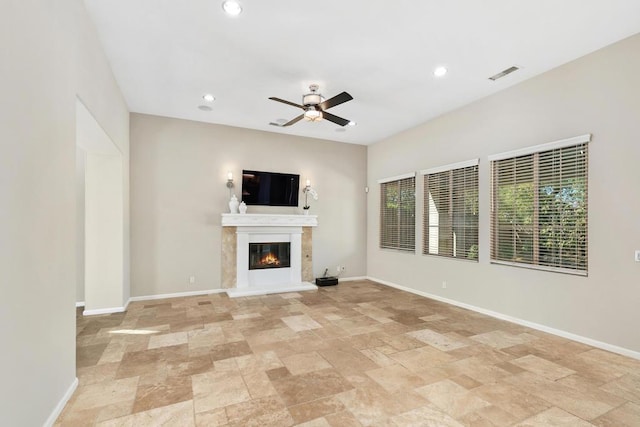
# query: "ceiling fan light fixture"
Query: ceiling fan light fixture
208,97
314,107
312,99
313,115
232,7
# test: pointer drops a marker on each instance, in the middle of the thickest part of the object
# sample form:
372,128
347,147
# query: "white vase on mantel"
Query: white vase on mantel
242,208
305,211
233,204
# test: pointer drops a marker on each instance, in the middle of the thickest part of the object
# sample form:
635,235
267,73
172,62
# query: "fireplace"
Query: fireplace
268,252
269,255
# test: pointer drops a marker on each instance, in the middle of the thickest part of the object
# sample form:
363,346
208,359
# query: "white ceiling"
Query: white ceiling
166,54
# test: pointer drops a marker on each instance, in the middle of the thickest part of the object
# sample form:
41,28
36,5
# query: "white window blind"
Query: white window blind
397,214
450,219
539,208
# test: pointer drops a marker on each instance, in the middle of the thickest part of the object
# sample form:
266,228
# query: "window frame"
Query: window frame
382,228
452,188
535,152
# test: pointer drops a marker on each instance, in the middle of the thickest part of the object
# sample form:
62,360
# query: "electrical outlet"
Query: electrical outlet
444,285
637,255
339,269
192,279
343,268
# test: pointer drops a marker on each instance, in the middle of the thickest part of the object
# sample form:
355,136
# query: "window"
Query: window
451,211
398,213
539,206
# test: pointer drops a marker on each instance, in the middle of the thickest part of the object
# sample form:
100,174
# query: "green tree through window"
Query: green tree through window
397,214
539,208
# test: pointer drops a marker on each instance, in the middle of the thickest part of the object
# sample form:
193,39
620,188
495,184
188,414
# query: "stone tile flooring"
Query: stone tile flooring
356,354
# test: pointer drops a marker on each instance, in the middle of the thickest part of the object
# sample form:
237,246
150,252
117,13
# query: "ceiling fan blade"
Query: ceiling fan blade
293,121
335,119
273,98
336,100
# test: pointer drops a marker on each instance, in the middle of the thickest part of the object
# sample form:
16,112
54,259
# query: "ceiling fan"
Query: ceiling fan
315,106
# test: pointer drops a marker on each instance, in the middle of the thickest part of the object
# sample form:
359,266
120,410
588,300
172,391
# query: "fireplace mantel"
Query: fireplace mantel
268,220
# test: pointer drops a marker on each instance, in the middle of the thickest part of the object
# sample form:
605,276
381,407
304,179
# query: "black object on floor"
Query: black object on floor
326,281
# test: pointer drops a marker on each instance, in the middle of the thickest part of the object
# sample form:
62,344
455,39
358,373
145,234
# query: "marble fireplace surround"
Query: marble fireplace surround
238,230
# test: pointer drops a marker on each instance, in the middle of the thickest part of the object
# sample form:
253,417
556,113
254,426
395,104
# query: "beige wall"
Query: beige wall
598,94
49,54
178,176
103,234
80,200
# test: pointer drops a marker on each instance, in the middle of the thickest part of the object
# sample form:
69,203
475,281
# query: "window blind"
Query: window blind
397,214
539,209
450,220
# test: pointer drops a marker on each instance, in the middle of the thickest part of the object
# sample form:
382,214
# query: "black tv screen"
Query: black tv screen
270,188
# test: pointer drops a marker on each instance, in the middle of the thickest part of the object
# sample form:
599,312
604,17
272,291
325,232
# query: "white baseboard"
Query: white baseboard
79,304
351,279
109,310
61,404
564,334
176,295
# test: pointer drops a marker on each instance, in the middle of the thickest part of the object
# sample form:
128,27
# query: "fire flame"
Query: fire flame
270,259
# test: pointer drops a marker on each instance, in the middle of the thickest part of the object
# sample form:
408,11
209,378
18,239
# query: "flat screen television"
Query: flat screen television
270,188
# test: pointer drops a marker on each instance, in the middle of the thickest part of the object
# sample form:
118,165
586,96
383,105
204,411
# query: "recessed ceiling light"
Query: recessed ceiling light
208,97
205,108
352,123
440,71
232,7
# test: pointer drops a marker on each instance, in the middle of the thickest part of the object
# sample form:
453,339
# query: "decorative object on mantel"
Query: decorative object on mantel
233,204
308,190
242,208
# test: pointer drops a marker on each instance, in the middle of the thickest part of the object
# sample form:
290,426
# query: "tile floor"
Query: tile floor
356,354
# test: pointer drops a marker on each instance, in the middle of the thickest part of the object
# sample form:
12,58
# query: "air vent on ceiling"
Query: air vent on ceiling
503,73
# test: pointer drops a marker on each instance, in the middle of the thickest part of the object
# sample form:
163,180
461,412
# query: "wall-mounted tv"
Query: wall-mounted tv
270,188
